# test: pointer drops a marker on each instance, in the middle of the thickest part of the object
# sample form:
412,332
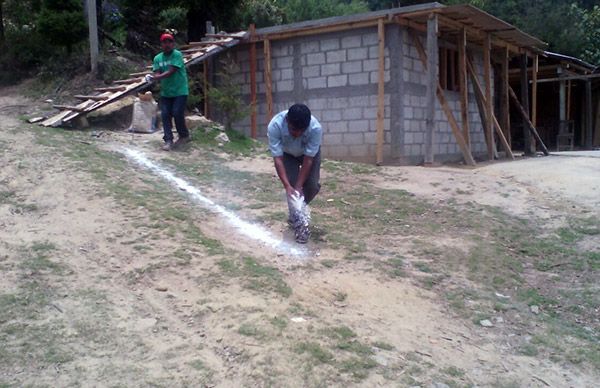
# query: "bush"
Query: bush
227,96
62,23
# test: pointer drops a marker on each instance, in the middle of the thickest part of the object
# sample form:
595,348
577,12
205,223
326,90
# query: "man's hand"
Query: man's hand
291,191
149,78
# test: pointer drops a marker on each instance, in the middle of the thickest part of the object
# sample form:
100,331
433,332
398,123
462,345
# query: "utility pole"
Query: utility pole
93,30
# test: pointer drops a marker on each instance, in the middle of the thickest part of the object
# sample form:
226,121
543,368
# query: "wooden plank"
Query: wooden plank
69,107
463,84
253,118
596,142
528,143
568,100
127,81
206,86
318,30
487,79
431,64
462,144
380,91
268,79
482,103
203,43
111,89
534,76
140,74
410,24
570,78
452,82
222,36
589,125
95,98
525,116
505,103
444,67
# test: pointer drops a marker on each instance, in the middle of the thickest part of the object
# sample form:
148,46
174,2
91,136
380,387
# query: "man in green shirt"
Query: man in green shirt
169,68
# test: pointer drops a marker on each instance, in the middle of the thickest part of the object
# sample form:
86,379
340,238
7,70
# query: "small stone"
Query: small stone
161,288
222,138
297,319
380,359
534,309
486,323
439,385
499,320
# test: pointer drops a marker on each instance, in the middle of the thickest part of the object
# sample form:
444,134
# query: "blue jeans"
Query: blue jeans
173,108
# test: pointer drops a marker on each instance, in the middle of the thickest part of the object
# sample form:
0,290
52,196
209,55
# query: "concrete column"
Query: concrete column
432,82
93,31
395,36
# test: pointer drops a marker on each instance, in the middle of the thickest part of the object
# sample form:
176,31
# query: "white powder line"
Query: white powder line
250,230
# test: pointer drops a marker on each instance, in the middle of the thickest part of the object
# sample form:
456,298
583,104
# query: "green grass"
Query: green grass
256,276
383,345
250,330
316,352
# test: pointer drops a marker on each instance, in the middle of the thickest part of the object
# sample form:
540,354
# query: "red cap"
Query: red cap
166,36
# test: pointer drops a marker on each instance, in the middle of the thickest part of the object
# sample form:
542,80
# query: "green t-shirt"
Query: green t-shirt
177,83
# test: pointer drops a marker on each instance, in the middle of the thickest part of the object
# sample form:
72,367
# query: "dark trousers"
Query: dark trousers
292,166
173,108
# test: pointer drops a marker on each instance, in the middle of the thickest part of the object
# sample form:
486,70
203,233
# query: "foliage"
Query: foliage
173,18
62,23
227,96
262,13
299,10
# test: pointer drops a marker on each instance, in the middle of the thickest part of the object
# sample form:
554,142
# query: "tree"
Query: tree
62,22
299,10
262,13
1,24
227,97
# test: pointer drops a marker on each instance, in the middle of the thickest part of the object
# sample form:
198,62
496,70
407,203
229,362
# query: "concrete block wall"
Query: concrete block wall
336,75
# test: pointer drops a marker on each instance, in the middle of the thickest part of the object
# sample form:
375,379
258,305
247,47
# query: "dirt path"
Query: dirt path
111,276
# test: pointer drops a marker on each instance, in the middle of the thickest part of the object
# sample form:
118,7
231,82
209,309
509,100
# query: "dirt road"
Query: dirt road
111,276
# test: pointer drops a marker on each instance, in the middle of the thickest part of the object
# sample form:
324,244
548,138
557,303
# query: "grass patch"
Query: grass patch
383,345
358,367
316,352
256,276
249,330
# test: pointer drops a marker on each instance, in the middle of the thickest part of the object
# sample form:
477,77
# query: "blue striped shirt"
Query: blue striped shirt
280,139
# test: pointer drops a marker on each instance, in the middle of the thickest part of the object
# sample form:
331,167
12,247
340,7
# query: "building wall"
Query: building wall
336,75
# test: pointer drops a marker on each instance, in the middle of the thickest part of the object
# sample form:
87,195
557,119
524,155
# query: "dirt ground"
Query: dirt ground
112,277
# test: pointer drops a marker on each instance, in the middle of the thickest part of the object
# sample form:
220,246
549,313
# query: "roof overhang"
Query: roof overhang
475,22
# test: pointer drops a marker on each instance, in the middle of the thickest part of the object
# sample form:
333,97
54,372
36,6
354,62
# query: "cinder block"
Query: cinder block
370,39
332,138
352,113
284,86
280,50
360,101
311,71
330,44
358,79
337,127
361,150
315,59
369,113
357,53
358,126
351,41
353,138
409,138
330,69
352,67
309,47
317,83
287,74
370,65
336,56
418,137
284,62
332,115
408,112
337,103
337,81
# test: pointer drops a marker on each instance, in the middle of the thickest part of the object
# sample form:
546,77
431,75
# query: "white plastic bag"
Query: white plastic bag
144,116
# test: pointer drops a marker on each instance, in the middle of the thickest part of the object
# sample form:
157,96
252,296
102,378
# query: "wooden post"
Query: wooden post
588,114
443,67
569,100
462,144
268,79
253,123
534,77
505,103
528,123
93,32
463,84
432,83
482,105
487,75
205,76
380,91
528,143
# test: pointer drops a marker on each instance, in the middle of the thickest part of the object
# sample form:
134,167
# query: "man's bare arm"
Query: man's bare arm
280,168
